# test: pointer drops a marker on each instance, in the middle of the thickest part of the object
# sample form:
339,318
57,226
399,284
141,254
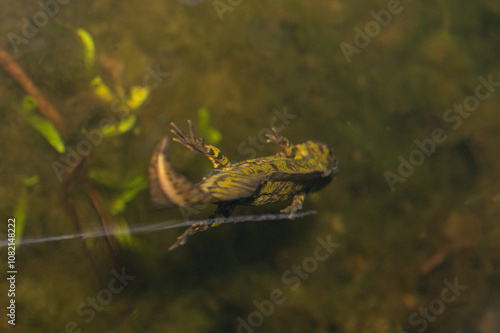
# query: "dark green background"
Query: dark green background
265,55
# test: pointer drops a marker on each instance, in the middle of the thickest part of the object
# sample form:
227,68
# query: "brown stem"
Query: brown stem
97,202
44,107
68,192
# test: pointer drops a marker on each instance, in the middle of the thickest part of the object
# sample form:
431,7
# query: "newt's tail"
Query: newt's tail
168,188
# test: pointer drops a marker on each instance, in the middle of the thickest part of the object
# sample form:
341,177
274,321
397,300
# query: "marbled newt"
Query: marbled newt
294,172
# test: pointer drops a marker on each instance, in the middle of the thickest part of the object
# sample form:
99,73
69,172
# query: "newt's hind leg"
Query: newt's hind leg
296,205
215,156
283,142
222,210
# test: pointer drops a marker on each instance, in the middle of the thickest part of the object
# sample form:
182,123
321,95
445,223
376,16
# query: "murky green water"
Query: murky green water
407,93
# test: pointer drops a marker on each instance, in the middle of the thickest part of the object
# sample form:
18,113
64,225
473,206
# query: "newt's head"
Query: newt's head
321,154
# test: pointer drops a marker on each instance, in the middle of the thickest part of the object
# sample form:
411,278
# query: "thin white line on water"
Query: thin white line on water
159,226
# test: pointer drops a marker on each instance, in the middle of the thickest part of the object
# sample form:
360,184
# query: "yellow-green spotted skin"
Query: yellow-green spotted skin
271,179
292,173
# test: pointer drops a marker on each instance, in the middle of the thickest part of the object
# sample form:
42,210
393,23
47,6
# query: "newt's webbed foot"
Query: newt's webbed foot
296,205
181,240
283,142
222,210
215,156
190,141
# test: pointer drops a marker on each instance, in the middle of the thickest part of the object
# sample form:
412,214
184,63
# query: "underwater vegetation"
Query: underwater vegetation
43,117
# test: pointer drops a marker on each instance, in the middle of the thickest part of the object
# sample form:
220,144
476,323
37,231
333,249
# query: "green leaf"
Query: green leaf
137,97
42,125
132,189
122,233
106,178
211,133
203,118
28,182
20,214
21,209
101,90
123,126
127,124
89,48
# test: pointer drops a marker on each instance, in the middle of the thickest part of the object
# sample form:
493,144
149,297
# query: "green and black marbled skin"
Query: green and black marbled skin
294,172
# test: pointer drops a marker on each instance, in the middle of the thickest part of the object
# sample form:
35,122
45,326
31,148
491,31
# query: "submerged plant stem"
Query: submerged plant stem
11,67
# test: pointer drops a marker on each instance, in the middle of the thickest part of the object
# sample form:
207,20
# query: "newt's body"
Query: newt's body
298,170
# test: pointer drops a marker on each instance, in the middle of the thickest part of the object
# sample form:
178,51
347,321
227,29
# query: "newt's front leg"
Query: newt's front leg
215,156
